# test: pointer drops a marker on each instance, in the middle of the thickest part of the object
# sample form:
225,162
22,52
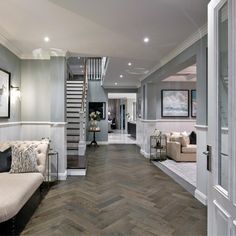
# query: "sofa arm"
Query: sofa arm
174,150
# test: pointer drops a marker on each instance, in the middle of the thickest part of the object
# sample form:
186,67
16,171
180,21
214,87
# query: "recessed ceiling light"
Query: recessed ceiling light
146,40
115,83
81,66
129,64
46,39
121,76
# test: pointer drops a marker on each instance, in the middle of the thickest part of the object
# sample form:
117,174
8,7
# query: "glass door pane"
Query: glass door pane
223,157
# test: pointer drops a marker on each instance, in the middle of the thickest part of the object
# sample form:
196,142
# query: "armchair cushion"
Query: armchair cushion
189,149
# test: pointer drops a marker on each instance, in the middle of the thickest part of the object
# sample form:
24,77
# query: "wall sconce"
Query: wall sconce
15,93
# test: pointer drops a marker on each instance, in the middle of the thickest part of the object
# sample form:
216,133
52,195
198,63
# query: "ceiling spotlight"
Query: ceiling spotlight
46,39
115,83
146,40
81,66
129,64
121,76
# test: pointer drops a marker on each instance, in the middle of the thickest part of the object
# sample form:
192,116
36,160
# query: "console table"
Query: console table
94,136
158,147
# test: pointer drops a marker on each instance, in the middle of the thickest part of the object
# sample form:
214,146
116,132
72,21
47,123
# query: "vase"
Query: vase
93,124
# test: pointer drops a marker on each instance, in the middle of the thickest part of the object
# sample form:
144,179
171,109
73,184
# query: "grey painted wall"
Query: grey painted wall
11,63
36,90
194,54
96,93
58,74
171,85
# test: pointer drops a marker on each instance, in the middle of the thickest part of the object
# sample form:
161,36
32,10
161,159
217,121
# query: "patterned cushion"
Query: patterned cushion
24,160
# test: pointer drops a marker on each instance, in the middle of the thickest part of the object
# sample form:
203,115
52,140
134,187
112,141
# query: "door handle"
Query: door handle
208,153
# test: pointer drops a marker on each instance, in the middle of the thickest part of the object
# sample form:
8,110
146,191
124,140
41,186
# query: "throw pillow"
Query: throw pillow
5,160
24,160
193,138
186,138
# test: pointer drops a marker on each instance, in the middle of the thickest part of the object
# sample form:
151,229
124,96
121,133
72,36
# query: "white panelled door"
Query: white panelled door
222,117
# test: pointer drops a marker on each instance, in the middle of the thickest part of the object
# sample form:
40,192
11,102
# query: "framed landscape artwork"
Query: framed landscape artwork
193,103
5,78
175,103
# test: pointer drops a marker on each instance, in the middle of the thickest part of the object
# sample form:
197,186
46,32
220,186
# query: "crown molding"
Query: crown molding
200,33
10,46
45,54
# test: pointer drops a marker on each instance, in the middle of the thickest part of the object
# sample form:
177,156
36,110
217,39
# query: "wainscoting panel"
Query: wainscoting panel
146,127
10,131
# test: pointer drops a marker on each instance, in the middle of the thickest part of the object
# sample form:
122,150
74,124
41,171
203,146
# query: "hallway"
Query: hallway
122,194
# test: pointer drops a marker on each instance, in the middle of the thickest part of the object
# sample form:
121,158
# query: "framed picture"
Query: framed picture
98,106
193,103
174,103
5,82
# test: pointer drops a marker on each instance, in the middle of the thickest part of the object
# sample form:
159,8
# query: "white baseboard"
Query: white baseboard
99,142
76,172
200,197
62,176
145,154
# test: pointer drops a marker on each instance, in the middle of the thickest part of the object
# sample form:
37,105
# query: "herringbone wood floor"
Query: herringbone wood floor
123,194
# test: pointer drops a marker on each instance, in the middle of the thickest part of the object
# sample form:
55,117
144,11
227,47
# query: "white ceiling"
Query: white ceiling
189,74
113,28
122,95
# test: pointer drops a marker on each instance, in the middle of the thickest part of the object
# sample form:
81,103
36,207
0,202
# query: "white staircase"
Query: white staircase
74,94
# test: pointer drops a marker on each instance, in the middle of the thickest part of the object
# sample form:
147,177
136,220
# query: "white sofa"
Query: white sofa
17,189
179,149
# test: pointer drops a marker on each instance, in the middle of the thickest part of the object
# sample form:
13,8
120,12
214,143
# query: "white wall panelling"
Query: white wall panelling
146,127
36,131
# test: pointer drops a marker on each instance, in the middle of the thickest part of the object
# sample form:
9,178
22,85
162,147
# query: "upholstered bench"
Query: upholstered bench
17,189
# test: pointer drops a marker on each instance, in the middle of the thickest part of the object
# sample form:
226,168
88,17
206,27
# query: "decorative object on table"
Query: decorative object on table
98,106
5,81
94,118
128,116
156,133
193,103
158,145
174,103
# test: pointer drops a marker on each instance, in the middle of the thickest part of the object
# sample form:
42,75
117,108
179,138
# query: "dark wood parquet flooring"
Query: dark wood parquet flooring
122,194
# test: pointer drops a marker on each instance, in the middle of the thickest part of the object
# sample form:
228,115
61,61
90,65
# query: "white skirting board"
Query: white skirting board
76,172
62,176
201,197
145,154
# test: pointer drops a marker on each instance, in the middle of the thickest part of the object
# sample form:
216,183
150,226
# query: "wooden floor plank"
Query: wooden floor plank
122,194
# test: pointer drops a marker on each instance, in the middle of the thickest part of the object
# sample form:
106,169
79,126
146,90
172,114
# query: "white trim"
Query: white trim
201,127
99,142
11,47
145,154
43,123
179,49
62,176
76,172
200,197
9,124
167,120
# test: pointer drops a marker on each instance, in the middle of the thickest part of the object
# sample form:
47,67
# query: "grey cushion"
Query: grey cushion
5,160
24,160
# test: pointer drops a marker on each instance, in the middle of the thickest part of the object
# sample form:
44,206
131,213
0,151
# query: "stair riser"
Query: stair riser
73,139
74,132
72,145
72,152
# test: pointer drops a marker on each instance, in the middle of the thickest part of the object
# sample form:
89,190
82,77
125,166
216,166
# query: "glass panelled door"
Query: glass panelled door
222,117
